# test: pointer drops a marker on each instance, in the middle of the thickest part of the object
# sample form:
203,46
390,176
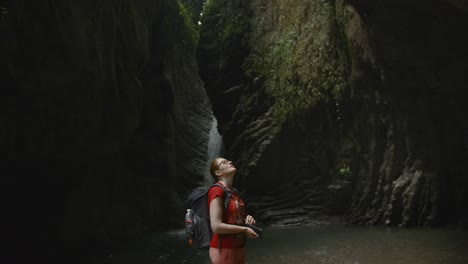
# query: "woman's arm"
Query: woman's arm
217,225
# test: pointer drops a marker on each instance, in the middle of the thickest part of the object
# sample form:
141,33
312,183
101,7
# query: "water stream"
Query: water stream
215,149
325,244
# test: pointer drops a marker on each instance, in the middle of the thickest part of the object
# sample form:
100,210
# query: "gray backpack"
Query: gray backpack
198,202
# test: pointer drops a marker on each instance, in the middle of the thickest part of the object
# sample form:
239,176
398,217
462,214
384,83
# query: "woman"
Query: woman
227,245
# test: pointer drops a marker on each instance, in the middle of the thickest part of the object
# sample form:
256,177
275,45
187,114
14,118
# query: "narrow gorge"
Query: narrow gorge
331,109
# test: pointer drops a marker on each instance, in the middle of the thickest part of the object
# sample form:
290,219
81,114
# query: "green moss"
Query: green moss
191,28
224,44
343,170
194,7
301,61
220,23
179,29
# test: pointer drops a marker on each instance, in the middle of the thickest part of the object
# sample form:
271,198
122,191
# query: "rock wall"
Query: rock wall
360,103
104,121
418,178
327,107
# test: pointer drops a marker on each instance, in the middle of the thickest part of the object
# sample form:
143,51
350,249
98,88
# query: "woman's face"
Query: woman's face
225,166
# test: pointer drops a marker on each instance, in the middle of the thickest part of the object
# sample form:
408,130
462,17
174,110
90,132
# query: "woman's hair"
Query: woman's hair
213,167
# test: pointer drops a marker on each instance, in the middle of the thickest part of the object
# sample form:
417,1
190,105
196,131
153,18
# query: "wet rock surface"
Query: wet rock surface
358,89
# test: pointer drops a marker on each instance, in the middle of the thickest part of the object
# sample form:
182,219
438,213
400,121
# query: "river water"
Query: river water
337,244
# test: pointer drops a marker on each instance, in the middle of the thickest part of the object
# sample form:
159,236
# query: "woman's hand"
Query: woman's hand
250,233
249,220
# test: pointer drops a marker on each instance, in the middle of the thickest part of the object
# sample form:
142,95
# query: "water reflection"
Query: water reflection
337,244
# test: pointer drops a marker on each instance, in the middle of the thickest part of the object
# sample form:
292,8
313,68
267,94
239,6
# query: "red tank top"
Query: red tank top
233,214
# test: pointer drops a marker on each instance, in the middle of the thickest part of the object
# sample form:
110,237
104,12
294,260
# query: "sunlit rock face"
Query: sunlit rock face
104,120
346,107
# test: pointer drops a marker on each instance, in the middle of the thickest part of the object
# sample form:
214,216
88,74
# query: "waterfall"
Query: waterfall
215,149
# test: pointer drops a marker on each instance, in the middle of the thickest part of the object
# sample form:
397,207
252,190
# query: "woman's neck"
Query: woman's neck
226,182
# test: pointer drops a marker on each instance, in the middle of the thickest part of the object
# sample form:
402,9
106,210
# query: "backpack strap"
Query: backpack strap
227,194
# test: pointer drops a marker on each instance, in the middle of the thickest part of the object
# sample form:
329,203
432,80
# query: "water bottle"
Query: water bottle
189,222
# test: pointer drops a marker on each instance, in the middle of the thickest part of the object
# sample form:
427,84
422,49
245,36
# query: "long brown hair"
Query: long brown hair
213,167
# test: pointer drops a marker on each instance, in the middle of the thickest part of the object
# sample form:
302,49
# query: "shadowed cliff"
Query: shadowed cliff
103,116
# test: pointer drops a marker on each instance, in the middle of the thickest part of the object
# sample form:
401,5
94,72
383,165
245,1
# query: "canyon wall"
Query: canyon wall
104,122
343,107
